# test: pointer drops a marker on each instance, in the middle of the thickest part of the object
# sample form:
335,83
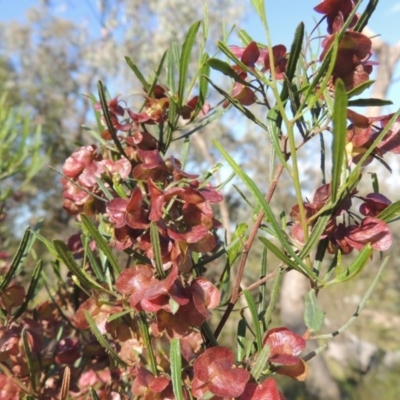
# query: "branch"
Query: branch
246,250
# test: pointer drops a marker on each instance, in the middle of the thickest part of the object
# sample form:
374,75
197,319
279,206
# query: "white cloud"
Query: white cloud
394,9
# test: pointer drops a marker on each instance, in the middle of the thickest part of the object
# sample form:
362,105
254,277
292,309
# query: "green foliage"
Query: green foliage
136,302
20,151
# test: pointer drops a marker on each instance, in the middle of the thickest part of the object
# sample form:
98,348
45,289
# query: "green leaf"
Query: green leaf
97,115
97,269
315,235
241,339
239,106
356,266
244,37
313,314
138,74
300,266
203,86
226,69
30,294
273,118
94,394
205,22
227,51
273,297
171,66
238,236
294,55
255,318
390,212
363,20
326,68
107,117
262,297
157,75
261,362
375,182
185,59
103,341
101,243
29,359
259,6
176,368
360,89
278,253
155,243
369,103
17,263
68,259
339,118
115,316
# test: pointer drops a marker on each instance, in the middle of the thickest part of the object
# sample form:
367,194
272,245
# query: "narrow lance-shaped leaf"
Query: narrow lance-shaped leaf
103,341
171,69
20,256
360,89
185,59
239,106
203,86
244,37
236,243
29,359
241,339
313,314
96,267
176,368
261,362
278,253
106,113
390,212
226,69
30,294
339,137
254,317
101,242
294,55
68,259
316,233
363,20
267,210
356,266
158,73
137,72
369,103
155,243
273,297
326,69
94,394
227,51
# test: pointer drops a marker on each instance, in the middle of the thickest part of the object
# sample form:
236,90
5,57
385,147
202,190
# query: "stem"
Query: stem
246,250
296,181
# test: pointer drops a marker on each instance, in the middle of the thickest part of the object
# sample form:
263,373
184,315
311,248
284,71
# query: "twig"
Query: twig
246,250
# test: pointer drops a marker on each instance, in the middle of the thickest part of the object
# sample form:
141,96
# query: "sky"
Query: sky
283,17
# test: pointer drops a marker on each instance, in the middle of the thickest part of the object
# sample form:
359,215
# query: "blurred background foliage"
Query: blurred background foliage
48,67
